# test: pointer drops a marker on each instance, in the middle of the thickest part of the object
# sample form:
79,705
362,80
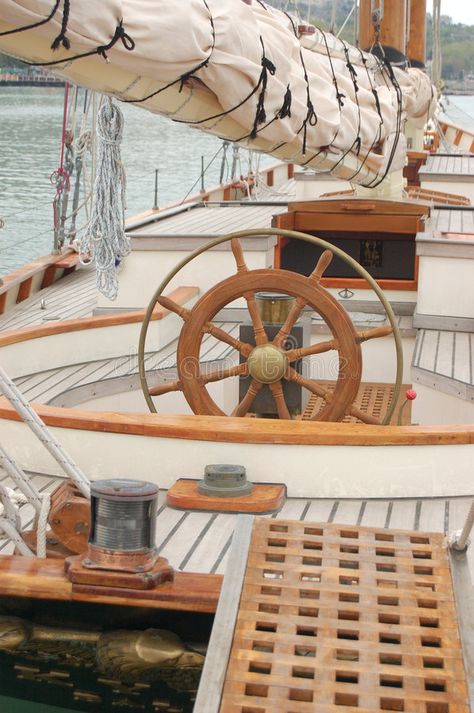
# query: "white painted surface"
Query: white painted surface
433,407
445,286
144,270
370,296
460,188
82,346
379,360
312,186
308,471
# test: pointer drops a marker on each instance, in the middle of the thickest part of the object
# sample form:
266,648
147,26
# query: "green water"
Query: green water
13,705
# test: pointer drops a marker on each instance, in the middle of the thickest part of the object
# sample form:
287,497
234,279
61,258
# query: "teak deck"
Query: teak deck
334,617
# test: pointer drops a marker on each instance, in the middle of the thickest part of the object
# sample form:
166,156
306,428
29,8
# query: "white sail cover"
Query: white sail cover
243,71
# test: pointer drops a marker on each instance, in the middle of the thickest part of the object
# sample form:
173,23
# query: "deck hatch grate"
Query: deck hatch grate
331,638
372,399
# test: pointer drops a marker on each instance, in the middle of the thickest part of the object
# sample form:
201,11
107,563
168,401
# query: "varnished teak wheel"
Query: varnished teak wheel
267,362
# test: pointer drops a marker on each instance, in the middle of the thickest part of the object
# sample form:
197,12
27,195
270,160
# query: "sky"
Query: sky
459,10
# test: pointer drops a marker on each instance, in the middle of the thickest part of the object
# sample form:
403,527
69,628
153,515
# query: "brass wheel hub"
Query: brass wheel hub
267,363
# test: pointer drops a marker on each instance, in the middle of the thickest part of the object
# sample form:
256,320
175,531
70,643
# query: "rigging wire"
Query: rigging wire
43,203
436,62
26,240
351,12
203,173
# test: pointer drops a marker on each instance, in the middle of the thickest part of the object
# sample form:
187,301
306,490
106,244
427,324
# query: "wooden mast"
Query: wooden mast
392,26
416,44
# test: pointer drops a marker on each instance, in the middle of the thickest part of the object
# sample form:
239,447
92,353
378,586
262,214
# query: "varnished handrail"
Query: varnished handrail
212,428
246,430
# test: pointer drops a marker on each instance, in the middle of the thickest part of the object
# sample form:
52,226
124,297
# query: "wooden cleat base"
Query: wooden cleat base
264,498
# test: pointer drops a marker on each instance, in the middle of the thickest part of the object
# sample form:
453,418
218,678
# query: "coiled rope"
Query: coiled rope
105,241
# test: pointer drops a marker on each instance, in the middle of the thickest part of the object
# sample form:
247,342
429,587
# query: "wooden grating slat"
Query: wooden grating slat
334,618
372,399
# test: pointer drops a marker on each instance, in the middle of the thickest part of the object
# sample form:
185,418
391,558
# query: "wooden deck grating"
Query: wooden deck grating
334,618
372,399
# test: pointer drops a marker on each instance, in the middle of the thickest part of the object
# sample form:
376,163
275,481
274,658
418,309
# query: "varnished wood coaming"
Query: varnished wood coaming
44,579
181,295
243,430
217,428
22,278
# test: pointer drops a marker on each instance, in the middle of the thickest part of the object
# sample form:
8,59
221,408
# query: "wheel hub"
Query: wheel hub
267,363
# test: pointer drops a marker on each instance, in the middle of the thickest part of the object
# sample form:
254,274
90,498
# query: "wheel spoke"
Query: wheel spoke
238,255
277,392
321,348
219,374
290,321
300,303
242,408
223,336
173,306
312,386
374,333
166,388
362,416
321,266
258,328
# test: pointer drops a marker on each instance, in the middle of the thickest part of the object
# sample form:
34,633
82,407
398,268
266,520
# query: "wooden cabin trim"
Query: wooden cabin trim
307,221
246,430
309,217
360,206
181,295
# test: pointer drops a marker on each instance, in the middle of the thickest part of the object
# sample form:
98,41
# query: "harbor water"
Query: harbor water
30,142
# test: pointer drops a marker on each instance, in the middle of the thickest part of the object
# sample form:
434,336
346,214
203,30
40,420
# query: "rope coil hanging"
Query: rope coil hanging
105,241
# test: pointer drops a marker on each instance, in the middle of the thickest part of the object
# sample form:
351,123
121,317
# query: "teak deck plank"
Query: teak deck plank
349,616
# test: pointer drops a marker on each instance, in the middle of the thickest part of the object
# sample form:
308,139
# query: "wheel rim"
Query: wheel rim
284,233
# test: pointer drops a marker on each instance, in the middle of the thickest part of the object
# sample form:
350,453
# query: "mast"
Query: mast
383,22
416,42
383,30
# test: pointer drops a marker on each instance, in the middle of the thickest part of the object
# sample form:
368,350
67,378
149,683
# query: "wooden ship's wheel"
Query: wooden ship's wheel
268,362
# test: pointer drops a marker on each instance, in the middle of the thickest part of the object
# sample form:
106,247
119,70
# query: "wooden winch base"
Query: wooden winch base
70,517
336,618
116,579
264,498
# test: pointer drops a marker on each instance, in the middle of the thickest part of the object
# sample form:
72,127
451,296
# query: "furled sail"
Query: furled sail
241,70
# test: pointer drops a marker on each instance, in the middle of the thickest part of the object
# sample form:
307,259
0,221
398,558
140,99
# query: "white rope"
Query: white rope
20,479
8,507
33,421
105,241
10,523
12,533
42,526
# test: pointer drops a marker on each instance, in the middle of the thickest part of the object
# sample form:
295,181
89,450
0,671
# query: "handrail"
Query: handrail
246,430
